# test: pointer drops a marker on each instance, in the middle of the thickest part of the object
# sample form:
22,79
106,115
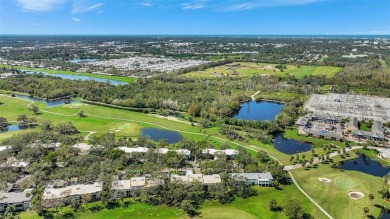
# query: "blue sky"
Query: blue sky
195,17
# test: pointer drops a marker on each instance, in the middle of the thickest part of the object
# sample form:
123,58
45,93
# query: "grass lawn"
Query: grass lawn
50,71
134,210
363,125
333,196
250,69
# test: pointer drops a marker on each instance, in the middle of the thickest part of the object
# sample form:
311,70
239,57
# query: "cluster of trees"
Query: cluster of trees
189,196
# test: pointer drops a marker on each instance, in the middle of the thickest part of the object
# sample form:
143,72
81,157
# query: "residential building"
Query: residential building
186,153
205,180
260,179
18,200
231,153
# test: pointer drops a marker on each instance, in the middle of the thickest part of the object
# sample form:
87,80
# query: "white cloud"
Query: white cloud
39,5
238,5
81,7
75,19
146,4
194,5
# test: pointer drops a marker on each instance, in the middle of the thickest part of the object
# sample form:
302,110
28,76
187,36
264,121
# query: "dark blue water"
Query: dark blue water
263,110
367,165
384,215
290,146
11,128
157,134
82,78
51,103
81,60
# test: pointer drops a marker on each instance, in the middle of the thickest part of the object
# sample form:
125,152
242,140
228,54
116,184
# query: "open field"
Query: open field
50,71
252,208
333,196
251,69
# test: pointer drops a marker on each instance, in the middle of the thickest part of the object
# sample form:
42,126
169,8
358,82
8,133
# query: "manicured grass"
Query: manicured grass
257,207
250,69
363,125
134,210
252,208
333,196
50,71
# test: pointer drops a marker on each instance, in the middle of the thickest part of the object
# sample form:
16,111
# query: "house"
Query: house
302,121
374,136
18,200
134,150
74,191
260,179
384,153
3,148
335,136
186,153
121,188
84,148
377,127
230,153
205,180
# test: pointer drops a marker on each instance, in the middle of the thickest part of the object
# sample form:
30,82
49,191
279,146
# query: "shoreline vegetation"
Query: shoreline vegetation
54,72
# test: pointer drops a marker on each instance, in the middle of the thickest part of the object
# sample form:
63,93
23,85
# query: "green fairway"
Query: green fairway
333,196
243,69
134,210
257,207
50,71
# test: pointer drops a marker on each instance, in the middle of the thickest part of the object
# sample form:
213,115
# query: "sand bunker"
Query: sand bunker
355,195
325,180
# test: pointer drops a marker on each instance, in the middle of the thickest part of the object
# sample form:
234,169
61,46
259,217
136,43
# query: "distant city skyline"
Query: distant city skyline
200,17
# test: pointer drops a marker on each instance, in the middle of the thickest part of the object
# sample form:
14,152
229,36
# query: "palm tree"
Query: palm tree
366,210
371,197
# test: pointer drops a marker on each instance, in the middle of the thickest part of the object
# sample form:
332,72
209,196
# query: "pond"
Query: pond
82,78
51,103
263,110
385,214
81,60
290,146
11,128
367,165
157,134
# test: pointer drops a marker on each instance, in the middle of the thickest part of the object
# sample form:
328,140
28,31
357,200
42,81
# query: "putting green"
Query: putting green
344,183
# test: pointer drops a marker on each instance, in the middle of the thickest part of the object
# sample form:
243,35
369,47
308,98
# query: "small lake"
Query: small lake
79,77
11,128
81,60
290,146
51,103
261,111
385,214
157,134
367,165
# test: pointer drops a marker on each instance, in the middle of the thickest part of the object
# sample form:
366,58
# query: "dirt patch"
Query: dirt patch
355,195
325,180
